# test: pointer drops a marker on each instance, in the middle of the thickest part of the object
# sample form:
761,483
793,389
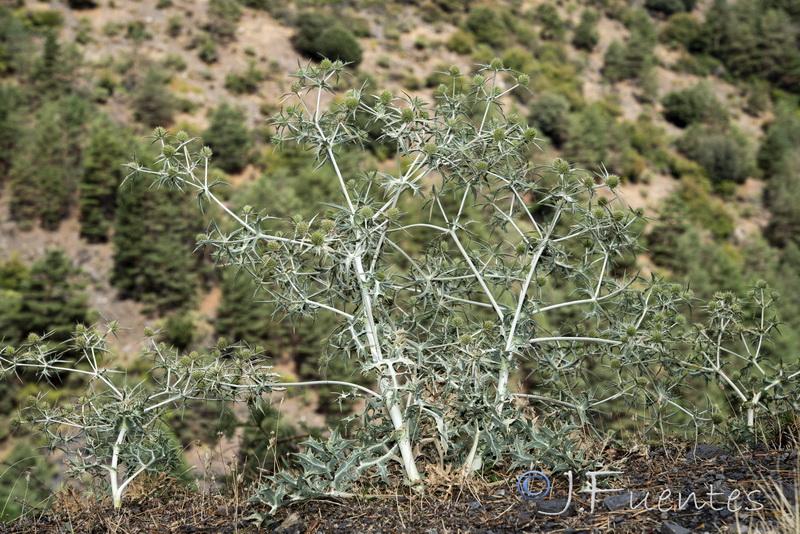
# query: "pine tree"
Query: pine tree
23,184
781,200
153,104
10,127
45,167
105,153
46,70
154,239
57,157
52,301
13,273
229,138
614,65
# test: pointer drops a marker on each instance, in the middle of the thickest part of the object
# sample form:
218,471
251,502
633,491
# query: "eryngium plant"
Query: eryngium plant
730,350
117,430
517,268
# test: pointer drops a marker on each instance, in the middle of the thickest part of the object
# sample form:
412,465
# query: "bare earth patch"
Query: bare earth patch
725,485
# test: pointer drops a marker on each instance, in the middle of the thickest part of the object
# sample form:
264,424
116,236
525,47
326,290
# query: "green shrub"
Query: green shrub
634,59
615,67
358,25
594,138
338,43
698,64
550,114
179,330
518,59
586,35
174,25
51,299
112,29
318,35
246,82
174,62
683,30
553,26
697,104
26,479
461,42
725,155
83,32
669,7
488,27
223,17
43,19
781,195
207,49
649,140
781,139
137,31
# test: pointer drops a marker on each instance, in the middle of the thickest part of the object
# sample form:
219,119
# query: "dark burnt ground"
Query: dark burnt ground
728,481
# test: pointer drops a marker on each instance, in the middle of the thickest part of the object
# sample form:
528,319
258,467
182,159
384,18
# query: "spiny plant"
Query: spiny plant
731,351
516,270
510,249
116,430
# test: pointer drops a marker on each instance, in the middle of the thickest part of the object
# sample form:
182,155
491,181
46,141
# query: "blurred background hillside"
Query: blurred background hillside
693,103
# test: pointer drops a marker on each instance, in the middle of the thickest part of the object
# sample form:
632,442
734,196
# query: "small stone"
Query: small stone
525,517
474,505
497,495
288,523
789,492
673,528
722,487
615,502
555,506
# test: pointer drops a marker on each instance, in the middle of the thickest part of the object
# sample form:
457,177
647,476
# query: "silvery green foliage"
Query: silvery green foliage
117,429
517,268
731,351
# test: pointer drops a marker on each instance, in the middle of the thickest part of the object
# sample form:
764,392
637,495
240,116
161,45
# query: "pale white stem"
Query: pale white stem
118,498
94,374
470,465
612,397
545,400
113,472
576,338
488,103
388,391
329,308
502,381
342,185
326,382
478,276
578,302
